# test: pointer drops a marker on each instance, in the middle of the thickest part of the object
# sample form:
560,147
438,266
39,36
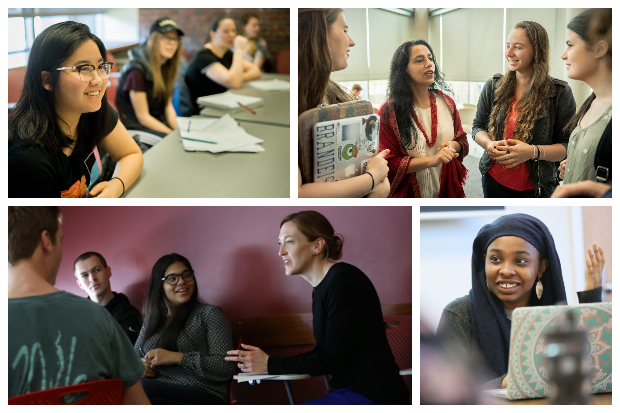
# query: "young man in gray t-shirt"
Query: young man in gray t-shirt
55,338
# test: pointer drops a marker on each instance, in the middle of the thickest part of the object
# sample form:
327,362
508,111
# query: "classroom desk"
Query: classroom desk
286,378
171,172
275,111
597,399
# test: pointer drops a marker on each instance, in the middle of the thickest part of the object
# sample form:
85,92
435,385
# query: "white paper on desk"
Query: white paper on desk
243,377
228,101
272,85
194,124
223,135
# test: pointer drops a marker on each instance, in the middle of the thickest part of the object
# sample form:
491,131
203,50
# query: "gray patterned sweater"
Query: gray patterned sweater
204,341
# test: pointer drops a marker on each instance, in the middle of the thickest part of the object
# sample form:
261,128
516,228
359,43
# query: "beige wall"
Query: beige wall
597,228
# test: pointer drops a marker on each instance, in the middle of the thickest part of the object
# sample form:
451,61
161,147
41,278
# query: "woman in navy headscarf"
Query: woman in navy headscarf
514,264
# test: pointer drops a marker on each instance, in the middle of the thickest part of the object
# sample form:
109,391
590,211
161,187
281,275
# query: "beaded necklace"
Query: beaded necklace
431,97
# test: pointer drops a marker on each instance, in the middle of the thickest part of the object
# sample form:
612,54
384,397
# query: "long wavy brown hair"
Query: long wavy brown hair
163,76
315,60
536,93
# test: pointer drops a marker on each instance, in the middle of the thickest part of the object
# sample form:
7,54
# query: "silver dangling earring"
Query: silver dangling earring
539,288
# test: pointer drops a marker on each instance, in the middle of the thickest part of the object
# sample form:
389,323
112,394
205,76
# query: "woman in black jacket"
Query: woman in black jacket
520,119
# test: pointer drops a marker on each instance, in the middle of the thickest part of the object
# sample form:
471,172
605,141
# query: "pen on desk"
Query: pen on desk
198,140
247,108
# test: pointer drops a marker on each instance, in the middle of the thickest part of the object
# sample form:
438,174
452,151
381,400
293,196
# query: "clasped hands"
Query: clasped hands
254,360
510,152
447,151
159,357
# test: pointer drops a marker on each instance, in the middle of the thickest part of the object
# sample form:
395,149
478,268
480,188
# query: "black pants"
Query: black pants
160,392
493,189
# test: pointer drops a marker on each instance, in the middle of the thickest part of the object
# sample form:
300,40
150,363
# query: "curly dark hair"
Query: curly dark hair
399,93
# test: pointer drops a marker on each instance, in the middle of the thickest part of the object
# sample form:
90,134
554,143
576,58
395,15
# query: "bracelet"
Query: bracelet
534,147
123,183
538,156
373,179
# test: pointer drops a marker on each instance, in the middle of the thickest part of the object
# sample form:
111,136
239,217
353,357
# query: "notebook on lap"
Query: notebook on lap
528,375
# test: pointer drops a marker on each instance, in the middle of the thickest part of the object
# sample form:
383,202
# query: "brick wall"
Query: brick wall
274,26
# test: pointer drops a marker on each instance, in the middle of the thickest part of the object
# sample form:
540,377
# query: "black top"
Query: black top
455,330
198,83
351,343
139,61
37,172
126,315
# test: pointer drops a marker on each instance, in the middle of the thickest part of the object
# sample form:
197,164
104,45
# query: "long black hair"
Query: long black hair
34,118
399,89
591,26
155,309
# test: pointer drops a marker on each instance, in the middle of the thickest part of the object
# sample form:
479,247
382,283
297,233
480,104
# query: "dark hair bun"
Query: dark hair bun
335,251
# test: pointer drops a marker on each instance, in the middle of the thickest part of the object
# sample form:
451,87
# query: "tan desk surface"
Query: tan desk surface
275,111
598,399
171,172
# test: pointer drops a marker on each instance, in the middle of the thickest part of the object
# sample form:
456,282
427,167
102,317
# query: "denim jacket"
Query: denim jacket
547,130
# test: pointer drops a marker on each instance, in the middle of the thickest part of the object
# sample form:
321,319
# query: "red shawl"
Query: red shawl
453,174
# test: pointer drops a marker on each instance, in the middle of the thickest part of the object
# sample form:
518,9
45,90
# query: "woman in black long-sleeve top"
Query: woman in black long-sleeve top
514,264
351,343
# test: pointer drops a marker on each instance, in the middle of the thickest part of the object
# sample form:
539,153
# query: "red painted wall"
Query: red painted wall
234,252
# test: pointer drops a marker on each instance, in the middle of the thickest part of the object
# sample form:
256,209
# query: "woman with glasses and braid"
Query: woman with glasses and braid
62,115
146,84
183,342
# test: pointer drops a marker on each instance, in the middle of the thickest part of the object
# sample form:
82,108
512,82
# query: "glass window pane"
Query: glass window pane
43,22
17,39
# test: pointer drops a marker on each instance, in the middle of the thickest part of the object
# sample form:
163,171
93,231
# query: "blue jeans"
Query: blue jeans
160,392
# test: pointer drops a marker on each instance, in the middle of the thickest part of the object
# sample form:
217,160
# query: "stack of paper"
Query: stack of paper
216,135
272,85
229,101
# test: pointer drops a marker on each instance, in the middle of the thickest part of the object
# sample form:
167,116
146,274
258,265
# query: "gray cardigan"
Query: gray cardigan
455,330
547,129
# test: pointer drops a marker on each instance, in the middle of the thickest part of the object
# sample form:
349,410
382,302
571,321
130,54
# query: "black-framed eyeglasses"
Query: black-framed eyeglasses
173,279
87,72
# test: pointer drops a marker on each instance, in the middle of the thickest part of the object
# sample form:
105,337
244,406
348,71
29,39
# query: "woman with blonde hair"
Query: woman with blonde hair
147,81
256,50
520,119
324,45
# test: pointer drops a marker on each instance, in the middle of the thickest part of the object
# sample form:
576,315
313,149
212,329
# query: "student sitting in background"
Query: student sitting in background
588,58
183,341
93,276
57,339
324,45
62,115
216,68
514,264
146,84
356,91
256,49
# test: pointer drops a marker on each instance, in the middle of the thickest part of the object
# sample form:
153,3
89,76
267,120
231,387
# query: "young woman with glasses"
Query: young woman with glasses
62,115
220,65
183,342
147,81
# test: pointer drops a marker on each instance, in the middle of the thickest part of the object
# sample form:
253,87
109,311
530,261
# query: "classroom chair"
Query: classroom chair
98,392
236,346
112,89
110,58
398,331
284,62
16,82
469,105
